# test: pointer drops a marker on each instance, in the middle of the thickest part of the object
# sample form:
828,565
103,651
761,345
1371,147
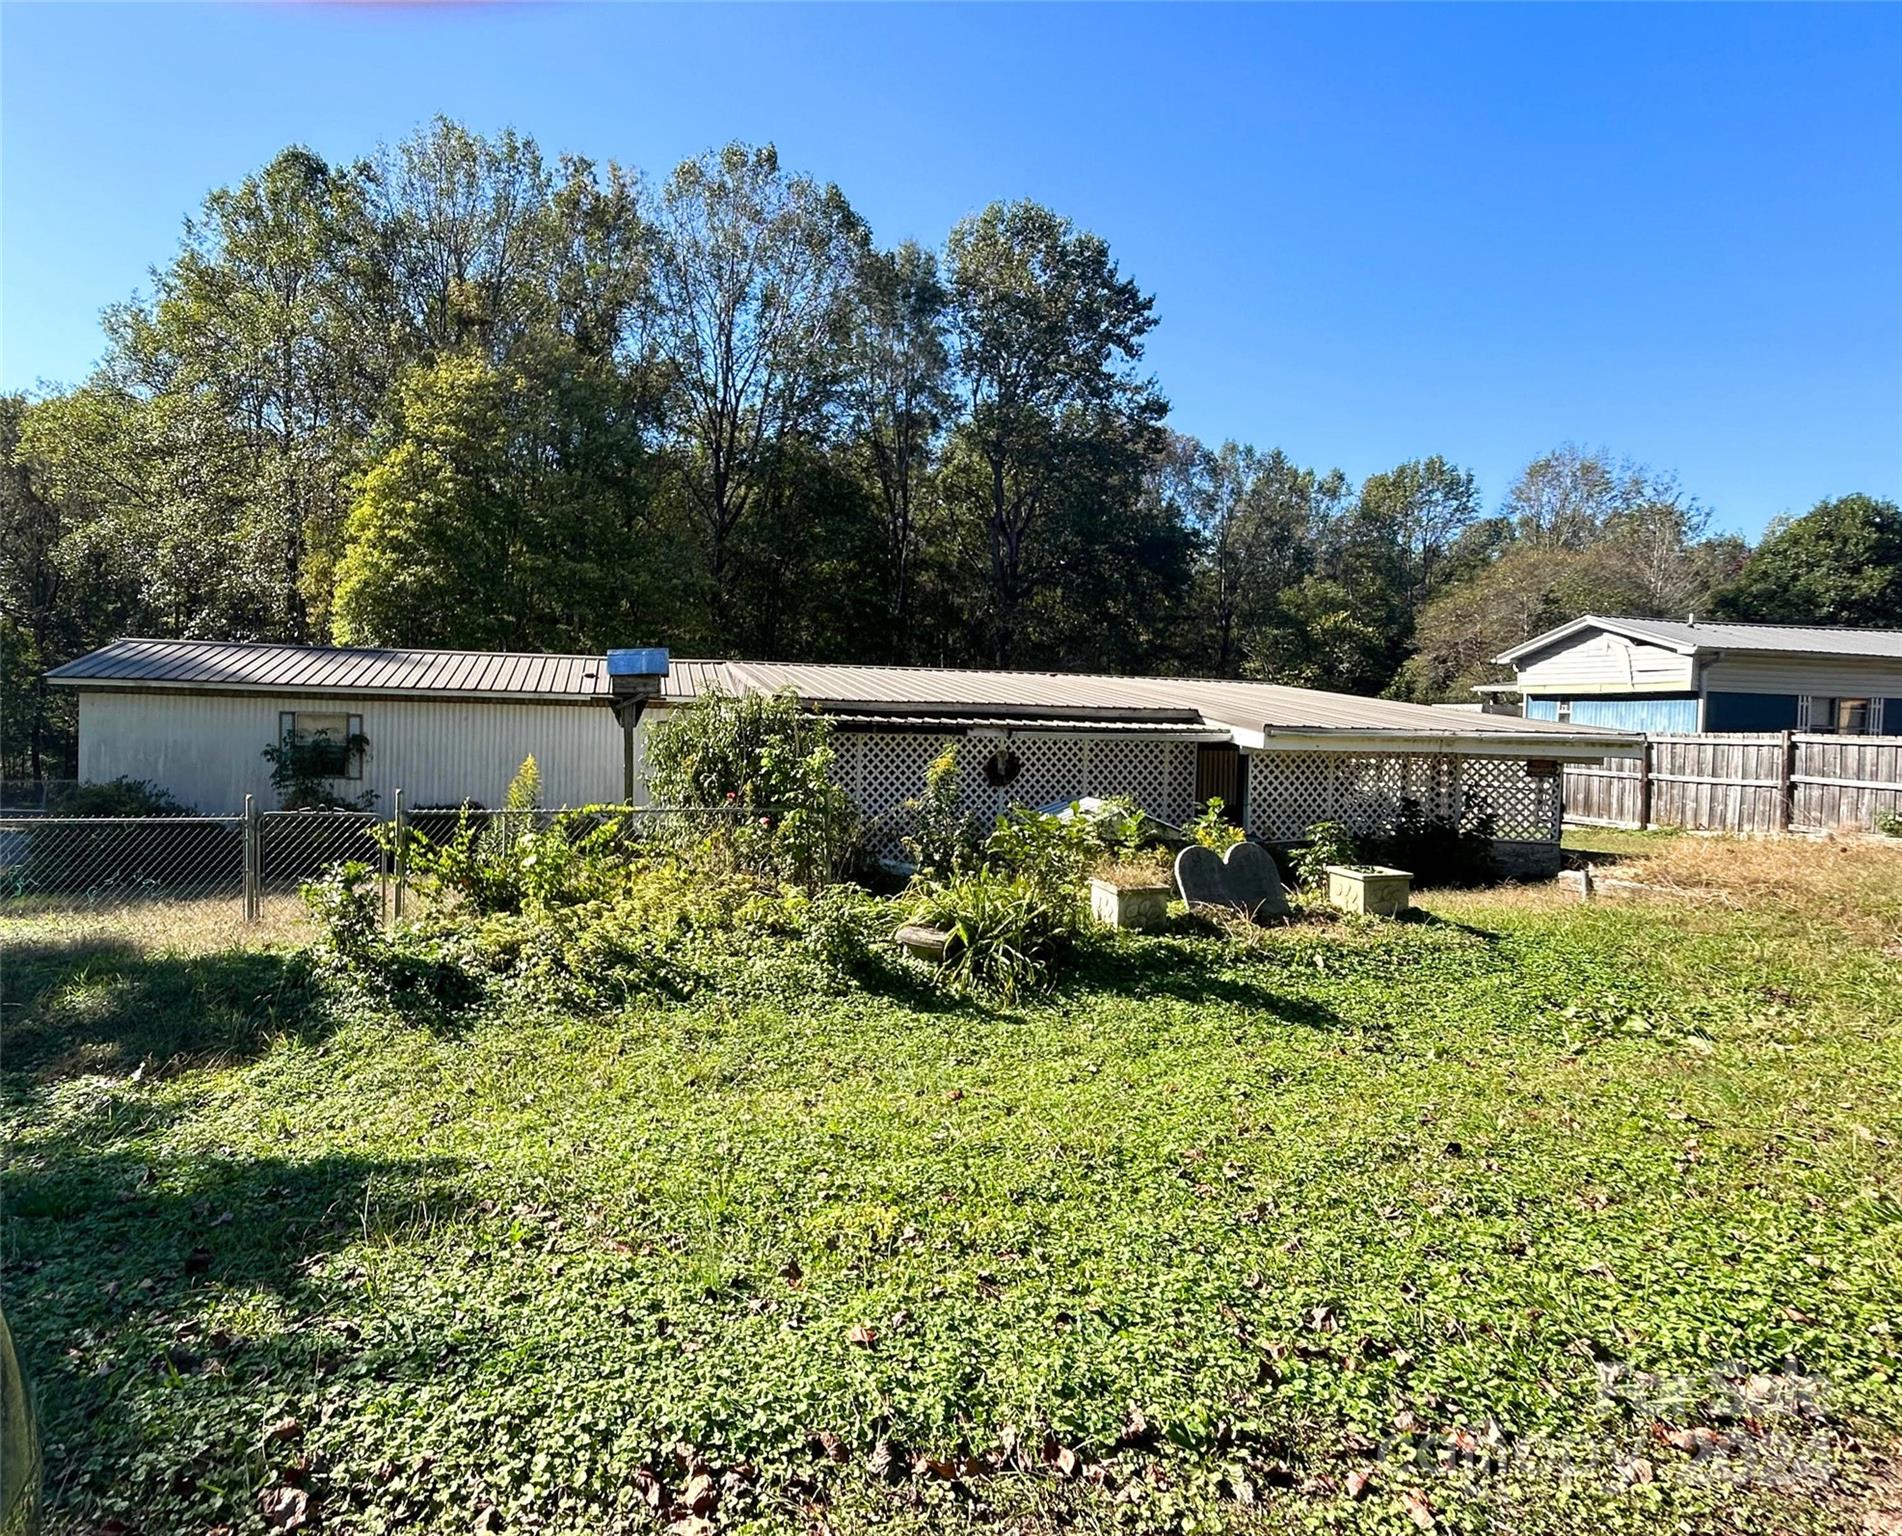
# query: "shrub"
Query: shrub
1889,823
1048,853
843,927
766,763
945,840
1005,931
347,905
122,796
1439,850
1212,829
511,860
1327,842
301,771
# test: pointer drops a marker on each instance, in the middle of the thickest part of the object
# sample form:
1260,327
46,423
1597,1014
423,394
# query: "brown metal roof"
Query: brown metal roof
248,665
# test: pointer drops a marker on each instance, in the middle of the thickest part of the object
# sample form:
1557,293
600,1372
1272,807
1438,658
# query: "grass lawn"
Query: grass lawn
1528,1217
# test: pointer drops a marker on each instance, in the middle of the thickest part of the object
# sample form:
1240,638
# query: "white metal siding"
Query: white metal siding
1835,676
1597,660
207,749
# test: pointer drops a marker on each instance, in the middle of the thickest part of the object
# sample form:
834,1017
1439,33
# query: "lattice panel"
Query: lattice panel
1180,802
1289,791
882,771
1521,806
1135,768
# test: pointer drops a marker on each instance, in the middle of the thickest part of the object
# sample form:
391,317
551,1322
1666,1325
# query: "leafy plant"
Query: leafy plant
1047,852
1212,829
1005,930
945,840
1326,842
843,927
766,764
1889,823
123,796
512,859
302,768
347,905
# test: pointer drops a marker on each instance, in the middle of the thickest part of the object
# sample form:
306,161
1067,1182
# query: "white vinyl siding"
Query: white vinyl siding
1596,661
1824,676
207,749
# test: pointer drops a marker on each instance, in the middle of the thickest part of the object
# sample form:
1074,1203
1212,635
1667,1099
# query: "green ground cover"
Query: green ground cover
1530,1216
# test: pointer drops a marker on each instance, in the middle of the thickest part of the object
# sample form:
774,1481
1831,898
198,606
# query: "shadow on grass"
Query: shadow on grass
118,1265
1190,973
160,1225
104,1005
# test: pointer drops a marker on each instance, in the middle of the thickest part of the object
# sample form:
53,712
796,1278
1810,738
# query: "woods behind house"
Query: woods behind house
458,394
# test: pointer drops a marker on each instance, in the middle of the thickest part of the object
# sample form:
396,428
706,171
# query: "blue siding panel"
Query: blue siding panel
1679,714
1542,709
1750,712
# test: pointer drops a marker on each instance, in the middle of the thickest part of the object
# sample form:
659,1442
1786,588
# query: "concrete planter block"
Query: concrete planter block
1368,889
1129,906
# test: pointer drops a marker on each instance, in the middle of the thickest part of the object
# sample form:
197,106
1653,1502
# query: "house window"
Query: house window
326,740
1843,717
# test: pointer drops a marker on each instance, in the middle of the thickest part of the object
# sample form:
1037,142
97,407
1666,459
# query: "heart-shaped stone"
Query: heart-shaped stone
1243,879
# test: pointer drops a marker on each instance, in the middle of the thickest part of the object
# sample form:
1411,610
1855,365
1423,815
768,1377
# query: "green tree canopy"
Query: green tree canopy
1839,563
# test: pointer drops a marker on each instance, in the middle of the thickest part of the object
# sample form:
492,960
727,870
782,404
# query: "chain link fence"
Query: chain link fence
193,879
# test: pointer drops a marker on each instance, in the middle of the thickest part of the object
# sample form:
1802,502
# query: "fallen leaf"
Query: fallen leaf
286,1428
284,1508
863,1336
1357,1484
1059,1456
1418,1510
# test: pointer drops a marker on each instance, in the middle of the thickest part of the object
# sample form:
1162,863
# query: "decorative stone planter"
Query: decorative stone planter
1368,888
924,942
1129,906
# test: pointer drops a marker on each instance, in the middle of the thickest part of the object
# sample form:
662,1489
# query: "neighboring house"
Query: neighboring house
195,716
1657,675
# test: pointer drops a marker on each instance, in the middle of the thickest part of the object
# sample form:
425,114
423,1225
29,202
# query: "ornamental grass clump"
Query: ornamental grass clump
1005,931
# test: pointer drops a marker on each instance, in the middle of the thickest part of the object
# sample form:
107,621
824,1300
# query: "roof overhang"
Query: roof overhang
1566,746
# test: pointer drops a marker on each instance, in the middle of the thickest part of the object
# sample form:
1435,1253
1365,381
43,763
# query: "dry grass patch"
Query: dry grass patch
1851,884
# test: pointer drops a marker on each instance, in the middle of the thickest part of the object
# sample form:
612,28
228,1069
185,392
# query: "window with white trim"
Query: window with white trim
332,742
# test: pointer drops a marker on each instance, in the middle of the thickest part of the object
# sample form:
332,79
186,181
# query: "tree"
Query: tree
1046,333
898,400
54,602
1839,563
503,513
1319,635
1253,516
754,269
1420,510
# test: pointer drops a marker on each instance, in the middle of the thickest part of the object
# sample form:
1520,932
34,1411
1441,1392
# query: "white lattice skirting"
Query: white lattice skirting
1287,791
884,770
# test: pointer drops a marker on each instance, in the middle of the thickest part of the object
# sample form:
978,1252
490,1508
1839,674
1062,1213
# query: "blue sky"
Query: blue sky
1373,232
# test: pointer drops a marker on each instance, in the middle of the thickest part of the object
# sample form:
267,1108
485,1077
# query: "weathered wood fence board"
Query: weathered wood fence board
1748,783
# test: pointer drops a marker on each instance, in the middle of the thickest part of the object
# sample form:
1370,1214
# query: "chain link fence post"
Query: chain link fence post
399,855
253,906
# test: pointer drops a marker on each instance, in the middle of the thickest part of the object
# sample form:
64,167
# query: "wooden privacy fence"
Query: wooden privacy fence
1785,781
